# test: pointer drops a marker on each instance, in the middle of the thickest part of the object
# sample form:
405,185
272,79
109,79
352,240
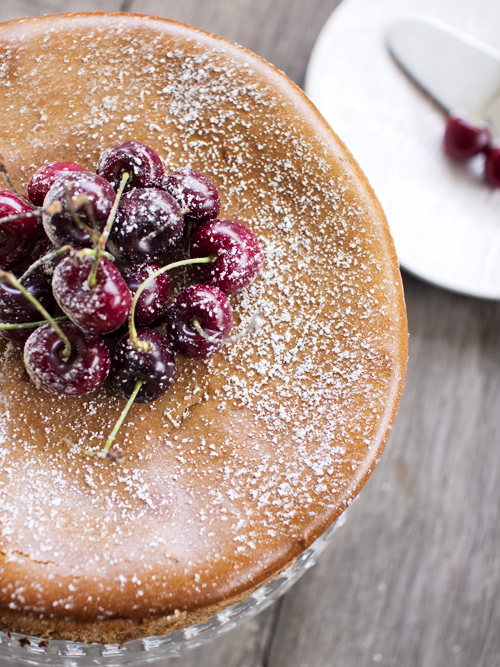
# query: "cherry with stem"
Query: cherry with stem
7,277
133,338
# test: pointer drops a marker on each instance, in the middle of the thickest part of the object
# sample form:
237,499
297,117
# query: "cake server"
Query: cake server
455,69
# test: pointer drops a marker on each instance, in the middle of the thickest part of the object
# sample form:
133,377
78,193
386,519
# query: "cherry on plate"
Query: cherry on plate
156,367
464,137
18,237
239,256
211,308
100,309
84,370
140,161
41,182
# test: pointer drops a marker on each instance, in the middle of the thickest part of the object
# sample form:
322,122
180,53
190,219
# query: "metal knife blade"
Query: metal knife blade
455,69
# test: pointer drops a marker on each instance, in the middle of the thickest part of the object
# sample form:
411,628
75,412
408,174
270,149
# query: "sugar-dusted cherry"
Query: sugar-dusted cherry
18,237
140,161
211,309
237,250
464,137
155,367
99,309
153,298
492,166
16,309
87,196
41,182
148,224
195,193
81,373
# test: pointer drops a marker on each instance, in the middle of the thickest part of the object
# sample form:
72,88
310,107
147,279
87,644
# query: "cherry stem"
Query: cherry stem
11,185
188,232
103,239
7,277
46,258
55,207
138,384
26,214
254,325
28,325
112,214
143,346
103,453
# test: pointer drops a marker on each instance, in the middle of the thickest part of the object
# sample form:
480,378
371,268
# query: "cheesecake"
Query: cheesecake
251,455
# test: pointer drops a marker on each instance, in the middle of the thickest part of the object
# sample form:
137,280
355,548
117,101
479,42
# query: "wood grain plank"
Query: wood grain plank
280,31
13,9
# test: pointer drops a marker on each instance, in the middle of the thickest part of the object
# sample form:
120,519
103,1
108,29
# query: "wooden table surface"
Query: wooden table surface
413,577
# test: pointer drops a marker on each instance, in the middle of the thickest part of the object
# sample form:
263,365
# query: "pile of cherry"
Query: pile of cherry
464,138
98,257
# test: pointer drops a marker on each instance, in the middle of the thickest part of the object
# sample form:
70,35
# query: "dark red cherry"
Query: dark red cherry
16,309
137,159
195,193
148,224
41,182
238,252
492,166
98,310
213,311
153,298
86,368
85,190
17,237
156,367
464,138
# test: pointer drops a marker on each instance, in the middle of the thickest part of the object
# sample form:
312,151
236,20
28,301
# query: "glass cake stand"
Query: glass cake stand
15,650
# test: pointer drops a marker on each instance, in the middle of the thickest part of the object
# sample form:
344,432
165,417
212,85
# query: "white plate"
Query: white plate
444,218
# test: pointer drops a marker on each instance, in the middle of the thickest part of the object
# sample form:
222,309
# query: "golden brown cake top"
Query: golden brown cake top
251,455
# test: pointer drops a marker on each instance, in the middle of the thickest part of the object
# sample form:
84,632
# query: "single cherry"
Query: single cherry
492,166
213,312
239,256
148,224
41,182
100,309
90,200
18,237
464,138
195,193
84,370
140,161
153,298
155,367
16,309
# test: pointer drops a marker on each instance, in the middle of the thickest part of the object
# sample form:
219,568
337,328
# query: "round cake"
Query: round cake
251,455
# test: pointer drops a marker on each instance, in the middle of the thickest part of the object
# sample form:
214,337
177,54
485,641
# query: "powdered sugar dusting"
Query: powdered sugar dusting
253,452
